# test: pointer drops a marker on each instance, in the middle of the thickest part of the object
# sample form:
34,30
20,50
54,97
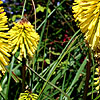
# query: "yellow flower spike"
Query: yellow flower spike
87,13
97,79
24,38
28,96
4,47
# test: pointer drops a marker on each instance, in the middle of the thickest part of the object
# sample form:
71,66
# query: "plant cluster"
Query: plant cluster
44,55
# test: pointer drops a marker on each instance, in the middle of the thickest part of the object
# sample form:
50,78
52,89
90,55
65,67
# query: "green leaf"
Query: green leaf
54,53
47,61
40,59
15,16
40,8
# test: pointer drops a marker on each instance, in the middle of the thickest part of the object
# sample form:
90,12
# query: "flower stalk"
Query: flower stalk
23,9
23,39
23,73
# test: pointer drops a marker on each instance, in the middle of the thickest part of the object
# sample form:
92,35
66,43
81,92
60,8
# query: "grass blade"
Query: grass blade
10,73
78,74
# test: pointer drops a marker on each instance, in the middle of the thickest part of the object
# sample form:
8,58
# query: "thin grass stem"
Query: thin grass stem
34,12
9,79
23,9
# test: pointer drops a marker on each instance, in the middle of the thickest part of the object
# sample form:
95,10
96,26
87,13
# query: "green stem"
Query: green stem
23,74
61,97
42,32
35,13
23,9
88,68
93,74
44,48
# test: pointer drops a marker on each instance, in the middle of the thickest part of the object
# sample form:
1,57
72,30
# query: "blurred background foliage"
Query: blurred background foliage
59,57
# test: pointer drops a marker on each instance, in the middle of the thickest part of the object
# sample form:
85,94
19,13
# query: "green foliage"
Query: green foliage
14,17
41,9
